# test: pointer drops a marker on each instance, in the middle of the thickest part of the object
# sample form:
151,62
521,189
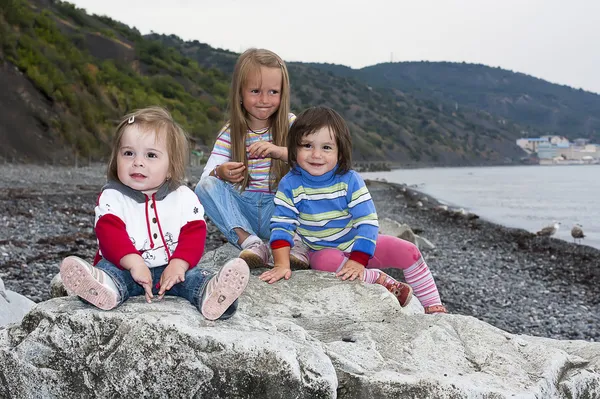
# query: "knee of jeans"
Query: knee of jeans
194,271
206,185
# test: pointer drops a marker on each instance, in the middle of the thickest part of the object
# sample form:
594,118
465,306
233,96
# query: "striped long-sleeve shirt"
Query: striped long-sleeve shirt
328,211
258,168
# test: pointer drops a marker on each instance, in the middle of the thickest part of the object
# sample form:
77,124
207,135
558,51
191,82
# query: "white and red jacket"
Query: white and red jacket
169,224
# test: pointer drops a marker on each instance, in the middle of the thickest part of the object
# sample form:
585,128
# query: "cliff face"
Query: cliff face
25,132
310,337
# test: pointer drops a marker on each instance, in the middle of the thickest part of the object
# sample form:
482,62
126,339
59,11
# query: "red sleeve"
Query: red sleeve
360,257
279,244
113,240
191,242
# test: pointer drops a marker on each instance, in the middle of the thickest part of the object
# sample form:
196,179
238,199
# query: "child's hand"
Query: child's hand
276,274
263,149
232,172
351,270
141,274
173,274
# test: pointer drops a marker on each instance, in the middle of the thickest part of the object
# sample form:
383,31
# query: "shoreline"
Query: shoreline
522,198
505,276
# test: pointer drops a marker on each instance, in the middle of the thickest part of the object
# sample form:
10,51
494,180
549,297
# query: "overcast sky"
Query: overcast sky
555,40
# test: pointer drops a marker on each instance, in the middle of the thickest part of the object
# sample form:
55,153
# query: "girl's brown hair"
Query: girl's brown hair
247,65
313,119
155,120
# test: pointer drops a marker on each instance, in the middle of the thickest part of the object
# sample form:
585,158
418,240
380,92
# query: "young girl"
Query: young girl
150,227
250,156
328,205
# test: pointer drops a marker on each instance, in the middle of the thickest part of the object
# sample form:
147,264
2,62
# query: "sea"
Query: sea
527,197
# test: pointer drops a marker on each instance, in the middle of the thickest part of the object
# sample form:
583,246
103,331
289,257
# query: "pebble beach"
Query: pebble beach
507,277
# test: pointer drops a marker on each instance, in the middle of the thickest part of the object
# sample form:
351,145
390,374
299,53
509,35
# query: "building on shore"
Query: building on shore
558,150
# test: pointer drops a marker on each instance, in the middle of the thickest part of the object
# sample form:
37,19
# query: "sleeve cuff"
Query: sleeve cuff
360,257
279,244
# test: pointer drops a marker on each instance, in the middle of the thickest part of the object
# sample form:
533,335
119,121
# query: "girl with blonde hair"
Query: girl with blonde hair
150,227
250,156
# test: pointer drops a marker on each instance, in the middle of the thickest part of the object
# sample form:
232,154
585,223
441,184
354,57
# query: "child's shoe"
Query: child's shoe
224,288
88,282
402,291
299,256
435,309
256,254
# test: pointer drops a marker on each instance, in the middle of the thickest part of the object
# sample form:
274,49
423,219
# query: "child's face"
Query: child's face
318,152
143,160
261,95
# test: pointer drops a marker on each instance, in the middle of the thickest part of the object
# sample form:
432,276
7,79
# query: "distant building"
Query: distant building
530,145
558,140
547,151
581,142
552,150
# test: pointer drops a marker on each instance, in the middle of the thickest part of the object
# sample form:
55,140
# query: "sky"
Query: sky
554,40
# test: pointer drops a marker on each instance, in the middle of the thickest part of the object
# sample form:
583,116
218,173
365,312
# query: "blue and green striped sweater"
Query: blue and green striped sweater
328,211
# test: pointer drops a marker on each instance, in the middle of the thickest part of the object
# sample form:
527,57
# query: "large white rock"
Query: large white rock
13,306
393,228
310,337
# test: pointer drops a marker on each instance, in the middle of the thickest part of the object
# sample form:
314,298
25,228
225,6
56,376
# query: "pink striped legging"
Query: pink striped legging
391,252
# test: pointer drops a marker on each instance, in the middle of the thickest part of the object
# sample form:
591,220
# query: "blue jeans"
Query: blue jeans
229,209
192,288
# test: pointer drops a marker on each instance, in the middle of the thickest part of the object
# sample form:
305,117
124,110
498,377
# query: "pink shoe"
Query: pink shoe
224,288
402,291
435,309
256,255
88,282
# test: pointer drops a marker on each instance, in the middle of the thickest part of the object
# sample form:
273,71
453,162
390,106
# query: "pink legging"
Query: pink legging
390,252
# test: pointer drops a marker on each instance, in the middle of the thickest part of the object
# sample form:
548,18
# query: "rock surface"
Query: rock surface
13,306
310,337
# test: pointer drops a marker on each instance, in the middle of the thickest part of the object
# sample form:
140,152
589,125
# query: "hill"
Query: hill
387,124
531,102
70,76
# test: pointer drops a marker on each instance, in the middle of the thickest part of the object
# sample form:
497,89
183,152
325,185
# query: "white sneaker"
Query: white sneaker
256,255
224,288
88,282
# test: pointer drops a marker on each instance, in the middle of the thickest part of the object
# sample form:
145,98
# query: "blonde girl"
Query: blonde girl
150,227
250,156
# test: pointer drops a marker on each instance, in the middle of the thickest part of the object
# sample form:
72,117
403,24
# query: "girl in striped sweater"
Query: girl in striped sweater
328,205
249,157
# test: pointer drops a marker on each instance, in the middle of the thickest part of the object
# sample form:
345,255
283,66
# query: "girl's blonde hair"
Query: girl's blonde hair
155,120
247,65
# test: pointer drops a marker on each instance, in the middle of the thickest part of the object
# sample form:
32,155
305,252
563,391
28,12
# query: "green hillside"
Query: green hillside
534,103
70,76
387,125
92,70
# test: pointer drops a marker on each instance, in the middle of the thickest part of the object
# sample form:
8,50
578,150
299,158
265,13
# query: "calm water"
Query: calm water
529,197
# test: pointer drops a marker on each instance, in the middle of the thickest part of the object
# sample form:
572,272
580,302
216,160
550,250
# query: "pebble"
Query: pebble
503,276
